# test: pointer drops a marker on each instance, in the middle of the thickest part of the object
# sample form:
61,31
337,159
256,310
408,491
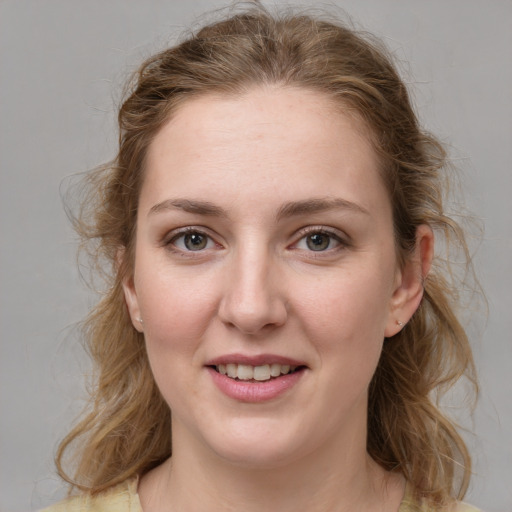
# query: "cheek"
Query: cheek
350,304
347,319
176,316
176,310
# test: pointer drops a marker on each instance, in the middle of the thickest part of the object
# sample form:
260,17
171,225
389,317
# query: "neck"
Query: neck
350,482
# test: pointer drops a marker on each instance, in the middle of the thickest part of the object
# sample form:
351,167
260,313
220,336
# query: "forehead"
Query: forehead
263,111
263,138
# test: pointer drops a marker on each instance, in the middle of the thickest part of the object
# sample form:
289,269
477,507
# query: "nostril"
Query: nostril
253,317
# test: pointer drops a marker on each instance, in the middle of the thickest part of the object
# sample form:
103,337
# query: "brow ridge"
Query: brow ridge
290,209
189,206
317,205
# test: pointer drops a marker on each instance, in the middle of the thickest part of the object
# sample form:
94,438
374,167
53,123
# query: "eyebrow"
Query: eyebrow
189,206
310,206
291,209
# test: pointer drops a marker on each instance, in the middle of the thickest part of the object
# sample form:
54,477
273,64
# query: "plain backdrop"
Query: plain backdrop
62,66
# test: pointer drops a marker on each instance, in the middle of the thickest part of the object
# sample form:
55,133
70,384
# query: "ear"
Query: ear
408,290
130,293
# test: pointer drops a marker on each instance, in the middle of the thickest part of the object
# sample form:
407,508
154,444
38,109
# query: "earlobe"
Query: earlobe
130,295
408,292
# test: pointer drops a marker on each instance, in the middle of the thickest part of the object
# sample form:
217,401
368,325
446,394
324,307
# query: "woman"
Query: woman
276,303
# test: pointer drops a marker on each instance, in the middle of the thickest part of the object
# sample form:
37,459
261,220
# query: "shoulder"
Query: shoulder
412,504
121,498
465,507
459,506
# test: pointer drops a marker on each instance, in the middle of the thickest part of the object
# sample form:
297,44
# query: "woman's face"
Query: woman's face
265,250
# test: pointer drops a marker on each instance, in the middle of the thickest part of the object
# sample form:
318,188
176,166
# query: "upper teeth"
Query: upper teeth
248,372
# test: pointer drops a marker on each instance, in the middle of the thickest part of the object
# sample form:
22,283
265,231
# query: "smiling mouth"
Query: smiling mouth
259,373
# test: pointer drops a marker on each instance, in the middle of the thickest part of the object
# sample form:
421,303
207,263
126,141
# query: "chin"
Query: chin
253,458
258,446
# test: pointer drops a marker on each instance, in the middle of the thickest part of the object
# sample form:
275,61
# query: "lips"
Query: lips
260,373
255,379
260,368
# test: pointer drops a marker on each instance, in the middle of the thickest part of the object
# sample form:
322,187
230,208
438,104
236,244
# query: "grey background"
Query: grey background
62,63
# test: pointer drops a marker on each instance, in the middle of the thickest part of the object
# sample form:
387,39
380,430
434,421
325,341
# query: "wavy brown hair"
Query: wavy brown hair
126,429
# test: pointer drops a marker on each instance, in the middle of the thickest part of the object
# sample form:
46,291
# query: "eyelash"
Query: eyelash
342,243
171,243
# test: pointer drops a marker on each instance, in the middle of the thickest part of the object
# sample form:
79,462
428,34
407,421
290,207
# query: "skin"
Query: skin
257,287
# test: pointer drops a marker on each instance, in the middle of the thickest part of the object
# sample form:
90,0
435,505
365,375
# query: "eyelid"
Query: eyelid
340,236
173,235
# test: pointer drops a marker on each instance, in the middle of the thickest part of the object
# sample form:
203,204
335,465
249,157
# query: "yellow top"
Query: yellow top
124,498
120,498
411,504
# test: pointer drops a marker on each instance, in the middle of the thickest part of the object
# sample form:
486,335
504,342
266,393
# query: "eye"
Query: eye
192,241
319,241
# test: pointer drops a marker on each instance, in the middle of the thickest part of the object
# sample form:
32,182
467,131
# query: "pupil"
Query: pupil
195,241
318,242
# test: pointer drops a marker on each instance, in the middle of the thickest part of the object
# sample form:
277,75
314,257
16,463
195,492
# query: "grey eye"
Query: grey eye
318,241
193,241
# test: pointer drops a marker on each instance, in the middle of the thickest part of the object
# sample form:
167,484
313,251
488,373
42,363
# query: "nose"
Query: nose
253,299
